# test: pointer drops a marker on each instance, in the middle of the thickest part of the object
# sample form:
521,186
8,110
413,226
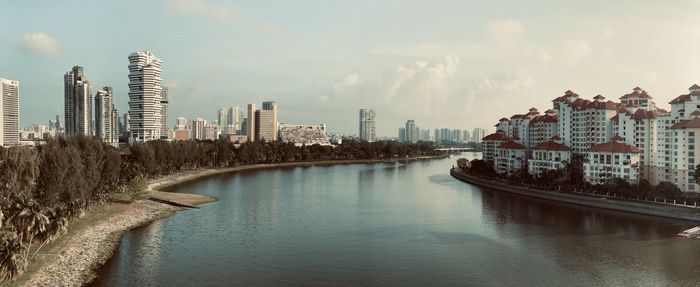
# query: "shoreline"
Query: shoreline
74,260
657,210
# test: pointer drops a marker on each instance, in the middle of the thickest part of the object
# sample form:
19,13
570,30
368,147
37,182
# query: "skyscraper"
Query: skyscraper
77,103
478,134
164,113
126,126
235,118
411,135
9,112
367,130
145,96
266,122
198,125
106,116
402,134
250,129
222,117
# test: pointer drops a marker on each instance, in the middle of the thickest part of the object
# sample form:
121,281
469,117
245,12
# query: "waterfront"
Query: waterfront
393,225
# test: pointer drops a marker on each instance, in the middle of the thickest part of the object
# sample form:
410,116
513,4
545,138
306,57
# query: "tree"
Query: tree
667,190
12,260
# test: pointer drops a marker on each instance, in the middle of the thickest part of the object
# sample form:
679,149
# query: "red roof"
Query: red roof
694,123
511,145
567,94
615,145
599,97
556,138
695,113
552,146
523,116
637,92
694,87
544,119
680,99
640,114
497,136
503,120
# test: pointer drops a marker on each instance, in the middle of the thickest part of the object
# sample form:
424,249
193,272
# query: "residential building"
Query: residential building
411,131
685,135
478,134
549,155
222,117
610,160
510,157
198,125
9,112
164,113
542,128
106,117
490,143
77,103
367,125
145,97
402,134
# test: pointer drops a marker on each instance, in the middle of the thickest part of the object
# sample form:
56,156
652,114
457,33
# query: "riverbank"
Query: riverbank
668,211
91,240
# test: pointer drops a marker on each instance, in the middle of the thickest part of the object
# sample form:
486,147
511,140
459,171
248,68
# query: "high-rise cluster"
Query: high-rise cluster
77,103
632,139
106,116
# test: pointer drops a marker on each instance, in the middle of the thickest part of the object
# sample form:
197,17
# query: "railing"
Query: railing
656,200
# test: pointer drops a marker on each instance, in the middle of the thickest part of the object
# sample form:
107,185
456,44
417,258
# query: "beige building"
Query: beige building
610,160
549,155
266,122
510,157
9,112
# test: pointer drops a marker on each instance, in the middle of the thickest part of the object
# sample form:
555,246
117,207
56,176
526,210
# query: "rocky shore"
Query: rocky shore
86,251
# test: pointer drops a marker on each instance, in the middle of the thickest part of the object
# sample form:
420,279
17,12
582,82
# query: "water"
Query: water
394,225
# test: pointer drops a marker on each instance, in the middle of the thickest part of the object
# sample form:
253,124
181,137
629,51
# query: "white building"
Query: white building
198,125
489,144
610,160
510,157
477,134
549,155
9,112
684,158
542,128
367,125
77,103
145,97
164,113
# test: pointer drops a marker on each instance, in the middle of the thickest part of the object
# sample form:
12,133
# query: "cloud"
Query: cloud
505,32
203,8
40,43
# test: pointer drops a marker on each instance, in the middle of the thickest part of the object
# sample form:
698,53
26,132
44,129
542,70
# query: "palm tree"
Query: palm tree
28,221
57,226
12,259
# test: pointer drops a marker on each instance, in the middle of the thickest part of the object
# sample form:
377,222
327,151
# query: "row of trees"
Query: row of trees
572,179
43,188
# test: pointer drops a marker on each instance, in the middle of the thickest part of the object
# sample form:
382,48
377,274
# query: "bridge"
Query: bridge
455,149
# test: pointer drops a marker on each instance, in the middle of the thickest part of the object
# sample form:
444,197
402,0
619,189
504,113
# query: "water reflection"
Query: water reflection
394,224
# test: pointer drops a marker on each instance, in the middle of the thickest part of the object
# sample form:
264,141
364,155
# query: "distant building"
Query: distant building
490,143
301,135
77,103
402,134
9,112
210,132
198,125
222,117
367,125
478,134
145,97
266,122
106,117
125,123
250,129
411,135
164,113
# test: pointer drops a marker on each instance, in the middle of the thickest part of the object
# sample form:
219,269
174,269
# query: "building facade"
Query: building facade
610,160
9,112
550,155
77,103
510,157
145,97
266,122
490,143
367,125
106,117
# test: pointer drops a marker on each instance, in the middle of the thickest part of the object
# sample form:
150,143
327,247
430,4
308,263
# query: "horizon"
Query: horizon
322,64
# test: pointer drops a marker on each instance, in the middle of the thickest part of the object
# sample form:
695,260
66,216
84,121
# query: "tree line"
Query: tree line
43,188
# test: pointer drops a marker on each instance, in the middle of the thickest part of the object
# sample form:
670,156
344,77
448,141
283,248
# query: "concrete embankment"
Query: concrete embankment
669,211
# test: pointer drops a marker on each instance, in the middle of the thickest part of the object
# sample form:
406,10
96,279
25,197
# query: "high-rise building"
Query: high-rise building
77,103
266,122
164,113
250,129
125,123
478,134
198,125
180,124
106,116
9,112
367,125
244,127
411,135
222,117
235,118
145,96
402,134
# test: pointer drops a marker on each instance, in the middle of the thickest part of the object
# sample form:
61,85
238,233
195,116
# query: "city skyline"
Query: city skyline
498,57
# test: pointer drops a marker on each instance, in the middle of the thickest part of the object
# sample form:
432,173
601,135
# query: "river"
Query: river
394,225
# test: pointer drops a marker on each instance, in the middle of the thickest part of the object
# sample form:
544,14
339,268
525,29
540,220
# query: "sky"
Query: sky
451,64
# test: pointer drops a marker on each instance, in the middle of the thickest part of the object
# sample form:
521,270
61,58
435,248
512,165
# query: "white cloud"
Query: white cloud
349,81
203,8
40,43
505,32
